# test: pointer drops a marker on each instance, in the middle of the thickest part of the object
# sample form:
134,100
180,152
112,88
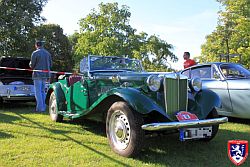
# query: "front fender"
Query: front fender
60,96
137,100
203,102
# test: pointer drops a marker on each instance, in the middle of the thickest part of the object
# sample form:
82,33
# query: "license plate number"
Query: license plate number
195,133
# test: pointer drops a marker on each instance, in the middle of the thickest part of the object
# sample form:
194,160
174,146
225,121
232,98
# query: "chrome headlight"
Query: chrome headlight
195,84
154,82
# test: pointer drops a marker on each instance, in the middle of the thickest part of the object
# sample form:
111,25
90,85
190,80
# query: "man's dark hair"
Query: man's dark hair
187,53
39,43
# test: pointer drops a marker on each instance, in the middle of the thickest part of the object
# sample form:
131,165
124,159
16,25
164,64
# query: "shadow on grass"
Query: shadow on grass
63,133
169,151
20,107
239,120
160,150
5,118
5,135
91,126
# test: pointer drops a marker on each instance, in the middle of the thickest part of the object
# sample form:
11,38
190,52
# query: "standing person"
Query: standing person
188,62
40,60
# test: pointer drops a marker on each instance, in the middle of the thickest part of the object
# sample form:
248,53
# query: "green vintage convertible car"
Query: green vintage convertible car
134,103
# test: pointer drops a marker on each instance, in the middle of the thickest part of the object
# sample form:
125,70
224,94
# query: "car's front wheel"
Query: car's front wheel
53,109
123,128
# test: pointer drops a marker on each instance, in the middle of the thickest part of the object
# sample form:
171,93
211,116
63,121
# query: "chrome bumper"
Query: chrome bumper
185,124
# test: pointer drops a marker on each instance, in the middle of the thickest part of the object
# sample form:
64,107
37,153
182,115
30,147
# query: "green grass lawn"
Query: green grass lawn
32,139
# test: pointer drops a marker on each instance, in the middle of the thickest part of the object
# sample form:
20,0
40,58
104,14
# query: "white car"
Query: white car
16,85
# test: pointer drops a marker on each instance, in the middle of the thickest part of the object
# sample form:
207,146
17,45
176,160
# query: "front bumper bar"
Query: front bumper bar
184,124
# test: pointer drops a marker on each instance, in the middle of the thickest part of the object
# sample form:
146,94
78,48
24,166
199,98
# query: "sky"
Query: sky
182,23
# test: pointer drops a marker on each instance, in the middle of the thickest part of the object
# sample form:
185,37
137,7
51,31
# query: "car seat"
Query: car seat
73,79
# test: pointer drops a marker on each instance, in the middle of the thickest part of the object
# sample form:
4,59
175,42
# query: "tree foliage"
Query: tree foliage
17,19
232,35
56,43
108,32
21,25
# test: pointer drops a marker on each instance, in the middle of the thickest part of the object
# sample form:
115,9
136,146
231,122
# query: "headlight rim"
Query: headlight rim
157,79
195,84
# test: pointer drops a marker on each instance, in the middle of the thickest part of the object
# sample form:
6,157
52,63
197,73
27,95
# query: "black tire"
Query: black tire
53,112
215,128
123,129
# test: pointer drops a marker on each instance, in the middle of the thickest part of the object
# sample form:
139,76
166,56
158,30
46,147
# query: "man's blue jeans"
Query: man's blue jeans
39,85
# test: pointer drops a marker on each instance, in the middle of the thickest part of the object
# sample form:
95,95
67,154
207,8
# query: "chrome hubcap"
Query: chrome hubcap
119,129
53,106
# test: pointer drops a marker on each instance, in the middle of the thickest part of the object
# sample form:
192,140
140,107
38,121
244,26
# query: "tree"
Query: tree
232,33
17,19
76,58
56,43
108,32
160,52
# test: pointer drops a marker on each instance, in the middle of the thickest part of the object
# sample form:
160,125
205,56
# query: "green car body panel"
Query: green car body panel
200,104
80,103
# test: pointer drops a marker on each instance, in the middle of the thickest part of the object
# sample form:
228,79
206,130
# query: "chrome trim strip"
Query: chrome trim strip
165,95
174,76
184,124
178,92
187,96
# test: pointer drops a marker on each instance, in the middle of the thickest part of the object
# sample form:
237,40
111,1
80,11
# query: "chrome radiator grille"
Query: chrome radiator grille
176,95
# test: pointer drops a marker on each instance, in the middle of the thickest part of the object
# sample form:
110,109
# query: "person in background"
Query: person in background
188,62
40,60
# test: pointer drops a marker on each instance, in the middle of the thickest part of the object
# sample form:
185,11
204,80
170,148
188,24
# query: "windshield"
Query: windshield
114,64
234,71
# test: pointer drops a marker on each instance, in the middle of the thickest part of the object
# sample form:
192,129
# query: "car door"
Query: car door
79,99
239,94
213,80
239,88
